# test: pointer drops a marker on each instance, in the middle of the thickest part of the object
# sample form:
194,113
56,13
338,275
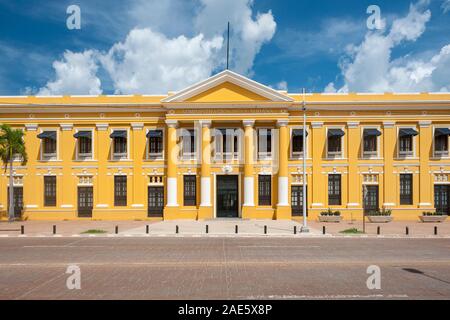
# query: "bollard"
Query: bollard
295,229
176,229
146,229
54,229
324,230
207,228
265,229
236,229
435,230
117,229
378,230
407,231
22,229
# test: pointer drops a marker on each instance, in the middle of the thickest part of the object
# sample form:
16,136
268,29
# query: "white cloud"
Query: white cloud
149,62
247,34
282,85
369,67
156,56
75,74
446,6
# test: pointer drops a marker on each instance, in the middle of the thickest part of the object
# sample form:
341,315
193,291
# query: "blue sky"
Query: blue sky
139,46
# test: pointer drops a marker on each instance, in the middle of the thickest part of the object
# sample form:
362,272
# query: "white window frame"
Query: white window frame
440,154
299,155
370,154
265,155
231,155
188,155
404,154
49,156
155,156
335,155
120,156
85,156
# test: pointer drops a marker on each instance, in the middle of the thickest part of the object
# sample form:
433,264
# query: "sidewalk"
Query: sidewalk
219,227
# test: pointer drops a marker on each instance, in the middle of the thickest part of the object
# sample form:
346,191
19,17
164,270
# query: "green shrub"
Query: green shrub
429,213
383,212
330,212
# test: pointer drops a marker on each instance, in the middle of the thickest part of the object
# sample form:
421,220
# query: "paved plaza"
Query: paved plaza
218,227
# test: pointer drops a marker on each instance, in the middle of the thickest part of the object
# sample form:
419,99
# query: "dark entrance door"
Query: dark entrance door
85,201
370,201
227,197
297,201
155,201
441,198
18,201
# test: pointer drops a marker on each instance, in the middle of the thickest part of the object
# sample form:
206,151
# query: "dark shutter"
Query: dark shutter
264,190
50,191
120,190
406,191
334,189
190,190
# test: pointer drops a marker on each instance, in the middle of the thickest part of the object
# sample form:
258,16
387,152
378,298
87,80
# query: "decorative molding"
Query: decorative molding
388,124
282,122
137,126
248,123
102,126
232,77
317,124
171,123
66,126
205,123
352,124
424,123
31,126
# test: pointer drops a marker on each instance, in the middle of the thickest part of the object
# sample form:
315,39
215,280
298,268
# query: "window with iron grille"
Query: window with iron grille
120,145
264,190
49,146
441,143
297,141
334,144
188,142
50,191
84,145
406,193
334,189
370,143
155,141
264,143
120,191
405,144
190,190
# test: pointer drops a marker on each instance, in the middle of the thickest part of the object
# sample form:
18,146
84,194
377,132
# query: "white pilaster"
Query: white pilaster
283,191
205,190
249,185
172,192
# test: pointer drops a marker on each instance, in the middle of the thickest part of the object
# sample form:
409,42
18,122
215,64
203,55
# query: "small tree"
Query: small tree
11,144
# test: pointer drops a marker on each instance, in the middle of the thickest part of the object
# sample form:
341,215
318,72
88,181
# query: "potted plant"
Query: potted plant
380,216
330,216
433,217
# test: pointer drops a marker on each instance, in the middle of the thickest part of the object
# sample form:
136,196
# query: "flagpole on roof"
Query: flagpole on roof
228,44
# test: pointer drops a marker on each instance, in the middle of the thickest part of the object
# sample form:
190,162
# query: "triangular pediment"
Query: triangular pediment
227,86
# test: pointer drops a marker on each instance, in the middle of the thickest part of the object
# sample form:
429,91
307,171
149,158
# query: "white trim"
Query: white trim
205,192
66,126
147,144
283,191
101,126
411,155
111,141
342,153
227,76
31,126
77,154
249,191
377,156
299,156
41,147
444,155
172,191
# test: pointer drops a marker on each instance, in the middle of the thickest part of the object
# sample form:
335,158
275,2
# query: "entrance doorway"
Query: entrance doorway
17,200
370,201
441,198
85,202
297,201
155,201
227,199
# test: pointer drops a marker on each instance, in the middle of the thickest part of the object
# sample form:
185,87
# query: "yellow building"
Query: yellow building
228,147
